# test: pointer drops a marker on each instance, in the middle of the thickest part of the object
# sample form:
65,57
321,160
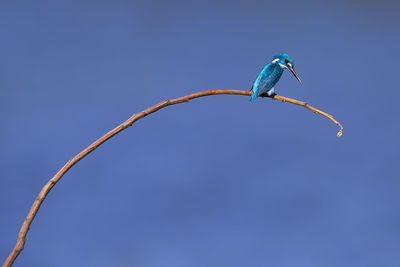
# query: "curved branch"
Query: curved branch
46,189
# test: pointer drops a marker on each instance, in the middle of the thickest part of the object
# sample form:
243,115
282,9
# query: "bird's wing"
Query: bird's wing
263,81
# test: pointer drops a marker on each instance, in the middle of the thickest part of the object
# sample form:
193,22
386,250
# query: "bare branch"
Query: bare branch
46,189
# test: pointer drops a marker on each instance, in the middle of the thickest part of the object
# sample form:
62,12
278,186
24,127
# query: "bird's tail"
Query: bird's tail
253,94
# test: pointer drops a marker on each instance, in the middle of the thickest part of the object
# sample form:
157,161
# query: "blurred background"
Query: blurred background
216,182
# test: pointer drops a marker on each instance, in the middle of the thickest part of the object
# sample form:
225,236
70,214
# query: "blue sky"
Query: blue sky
216,182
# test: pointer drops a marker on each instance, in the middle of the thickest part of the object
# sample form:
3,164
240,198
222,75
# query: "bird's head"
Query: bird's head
286,62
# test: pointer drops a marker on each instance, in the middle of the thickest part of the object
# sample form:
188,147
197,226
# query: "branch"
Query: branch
307,106
46,189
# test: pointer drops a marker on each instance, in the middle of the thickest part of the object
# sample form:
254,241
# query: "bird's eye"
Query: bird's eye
286,61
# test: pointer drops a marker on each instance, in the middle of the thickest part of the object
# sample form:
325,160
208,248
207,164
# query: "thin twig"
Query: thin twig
46,189
304,104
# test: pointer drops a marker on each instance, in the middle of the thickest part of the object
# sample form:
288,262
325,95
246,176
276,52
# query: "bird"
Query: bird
264,84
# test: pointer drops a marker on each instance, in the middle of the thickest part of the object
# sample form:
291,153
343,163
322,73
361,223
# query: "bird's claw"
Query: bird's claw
268,95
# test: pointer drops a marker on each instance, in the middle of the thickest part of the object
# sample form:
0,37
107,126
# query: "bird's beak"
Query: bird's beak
294,73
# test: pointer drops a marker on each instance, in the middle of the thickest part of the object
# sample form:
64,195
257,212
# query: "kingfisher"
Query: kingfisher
264,84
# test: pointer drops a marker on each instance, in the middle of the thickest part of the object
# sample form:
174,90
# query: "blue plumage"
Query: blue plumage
270,75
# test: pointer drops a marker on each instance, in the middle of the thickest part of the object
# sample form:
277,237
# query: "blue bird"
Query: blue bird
264,84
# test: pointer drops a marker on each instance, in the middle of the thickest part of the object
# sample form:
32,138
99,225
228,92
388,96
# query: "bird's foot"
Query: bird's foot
268,95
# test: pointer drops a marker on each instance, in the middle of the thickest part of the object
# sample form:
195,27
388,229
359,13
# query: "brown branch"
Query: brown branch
304,104
46,189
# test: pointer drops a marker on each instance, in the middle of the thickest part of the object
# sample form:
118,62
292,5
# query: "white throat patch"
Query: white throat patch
282,66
